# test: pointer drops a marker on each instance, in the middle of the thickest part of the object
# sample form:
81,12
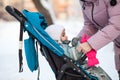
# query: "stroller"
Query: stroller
63,67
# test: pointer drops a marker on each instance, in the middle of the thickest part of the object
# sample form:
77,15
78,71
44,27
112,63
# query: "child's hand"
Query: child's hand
84,47
75,41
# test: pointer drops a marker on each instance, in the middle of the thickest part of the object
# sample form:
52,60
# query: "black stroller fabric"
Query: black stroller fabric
57,63
69,73
63,67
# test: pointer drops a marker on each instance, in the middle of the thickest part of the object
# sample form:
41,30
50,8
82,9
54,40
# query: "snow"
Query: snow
9,39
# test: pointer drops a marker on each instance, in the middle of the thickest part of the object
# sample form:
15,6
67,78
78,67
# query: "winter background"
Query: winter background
9,43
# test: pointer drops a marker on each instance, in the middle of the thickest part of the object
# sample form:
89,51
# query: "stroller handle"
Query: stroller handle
20,17
15,13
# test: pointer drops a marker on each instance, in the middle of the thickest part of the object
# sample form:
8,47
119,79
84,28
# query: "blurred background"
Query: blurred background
53,9
64,12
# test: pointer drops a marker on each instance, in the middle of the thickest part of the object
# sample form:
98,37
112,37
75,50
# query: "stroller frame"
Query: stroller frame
67,63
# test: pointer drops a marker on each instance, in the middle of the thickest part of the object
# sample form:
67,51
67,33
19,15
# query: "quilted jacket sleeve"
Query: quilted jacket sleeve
110,31
88,28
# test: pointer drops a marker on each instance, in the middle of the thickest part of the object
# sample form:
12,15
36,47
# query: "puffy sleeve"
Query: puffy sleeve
88,28
110,31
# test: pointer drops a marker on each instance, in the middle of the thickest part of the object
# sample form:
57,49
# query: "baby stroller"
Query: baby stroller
63,67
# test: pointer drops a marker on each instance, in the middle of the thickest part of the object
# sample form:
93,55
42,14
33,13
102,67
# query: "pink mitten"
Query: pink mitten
92,60
91,55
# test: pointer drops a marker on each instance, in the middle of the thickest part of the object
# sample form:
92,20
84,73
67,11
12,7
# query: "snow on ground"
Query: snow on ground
9,39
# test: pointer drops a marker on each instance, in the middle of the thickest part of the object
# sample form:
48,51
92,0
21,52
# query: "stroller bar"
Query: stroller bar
78,68
20,17
15,13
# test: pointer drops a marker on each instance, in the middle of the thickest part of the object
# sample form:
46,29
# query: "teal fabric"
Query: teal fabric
30,53
35,19
35,25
